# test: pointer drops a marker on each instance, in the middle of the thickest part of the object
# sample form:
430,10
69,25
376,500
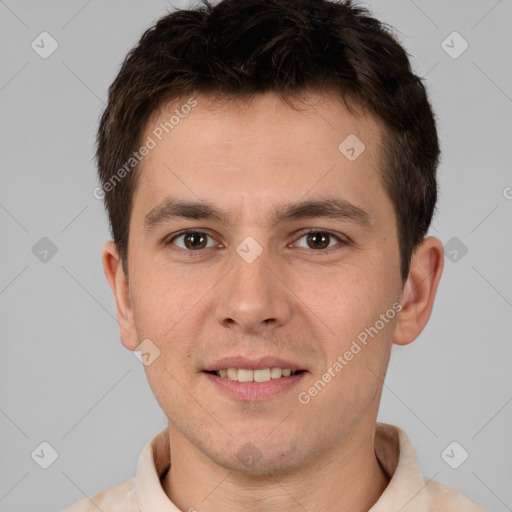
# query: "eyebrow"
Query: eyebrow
332,208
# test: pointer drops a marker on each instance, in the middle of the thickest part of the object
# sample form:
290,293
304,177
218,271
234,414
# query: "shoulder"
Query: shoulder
120,498
446,499
397,456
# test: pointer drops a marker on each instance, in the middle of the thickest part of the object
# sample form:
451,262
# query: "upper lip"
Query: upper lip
252,363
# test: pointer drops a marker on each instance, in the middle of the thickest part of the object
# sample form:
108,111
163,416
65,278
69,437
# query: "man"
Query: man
269,171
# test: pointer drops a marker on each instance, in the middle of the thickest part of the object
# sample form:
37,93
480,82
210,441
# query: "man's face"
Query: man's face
255,288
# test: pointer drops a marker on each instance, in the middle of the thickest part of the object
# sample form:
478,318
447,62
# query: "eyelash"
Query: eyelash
198,252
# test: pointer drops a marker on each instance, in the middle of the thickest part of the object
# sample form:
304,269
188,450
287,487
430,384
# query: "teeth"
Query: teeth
263,375
276,373
260,375
245,375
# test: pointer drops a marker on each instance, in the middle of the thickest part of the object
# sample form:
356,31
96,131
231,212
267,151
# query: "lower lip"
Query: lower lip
255,391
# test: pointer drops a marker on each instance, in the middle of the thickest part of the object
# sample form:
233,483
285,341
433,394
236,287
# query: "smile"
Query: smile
254,385
246,375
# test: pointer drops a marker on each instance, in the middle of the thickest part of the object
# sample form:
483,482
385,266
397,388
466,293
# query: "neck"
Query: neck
348,478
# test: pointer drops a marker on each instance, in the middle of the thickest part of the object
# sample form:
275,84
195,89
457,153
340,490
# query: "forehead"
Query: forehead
256,152
310,116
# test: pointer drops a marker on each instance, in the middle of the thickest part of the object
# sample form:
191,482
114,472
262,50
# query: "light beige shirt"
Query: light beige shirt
407,491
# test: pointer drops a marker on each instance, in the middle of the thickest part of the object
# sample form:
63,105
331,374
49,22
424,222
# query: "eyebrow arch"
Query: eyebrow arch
333,208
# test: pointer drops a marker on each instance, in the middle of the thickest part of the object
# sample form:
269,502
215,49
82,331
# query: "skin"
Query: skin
295,301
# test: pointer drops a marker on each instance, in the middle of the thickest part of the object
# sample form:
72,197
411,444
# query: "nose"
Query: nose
253,298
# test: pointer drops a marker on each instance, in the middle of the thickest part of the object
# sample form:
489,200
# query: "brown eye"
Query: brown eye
319,240
191,240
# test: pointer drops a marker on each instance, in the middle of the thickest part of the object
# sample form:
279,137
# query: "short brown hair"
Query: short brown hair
239,48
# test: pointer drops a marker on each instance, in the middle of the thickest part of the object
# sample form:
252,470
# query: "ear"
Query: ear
118,282
420,290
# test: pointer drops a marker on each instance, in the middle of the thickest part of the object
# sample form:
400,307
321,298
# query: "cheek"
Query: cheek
160,297
169,309
348,296
355,303
166,386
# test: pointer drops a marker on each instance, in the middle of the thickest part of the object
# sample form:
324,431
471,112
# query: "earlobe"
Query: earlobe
420,290
118,282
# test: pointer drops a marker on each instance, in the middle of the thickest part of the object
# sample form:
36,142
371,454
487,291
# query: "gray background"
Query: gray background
65,377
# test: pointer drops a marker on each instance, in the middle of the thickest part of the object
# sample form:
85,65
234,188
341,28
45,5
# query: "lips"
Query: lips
254,390
254,379
246,363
